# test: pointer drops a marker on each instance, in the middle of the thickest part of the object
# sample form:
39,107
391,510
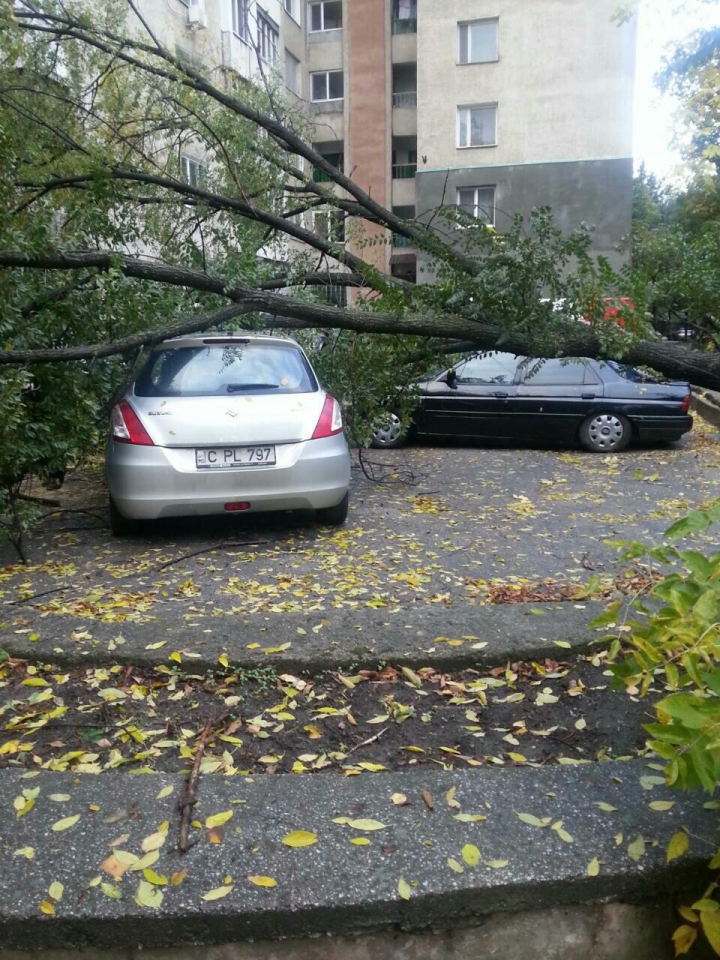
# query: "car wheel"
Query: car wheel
389,432
605,433
334,516
121,526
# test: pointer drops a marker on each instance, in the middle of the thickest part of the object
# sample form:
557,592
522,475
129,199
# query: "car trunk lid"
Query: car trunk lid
229,421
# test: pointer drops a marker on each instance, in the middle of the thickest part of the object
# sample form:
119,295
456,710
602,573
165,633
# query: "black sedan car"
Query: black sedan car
498,396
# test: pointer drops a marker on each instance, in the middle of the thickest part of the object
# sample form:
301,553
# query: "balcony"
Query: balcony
404,25
404,171
407,98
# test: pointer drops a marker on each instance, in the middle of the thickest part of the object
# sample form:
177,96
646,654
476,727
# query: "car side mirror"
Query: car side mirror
450,378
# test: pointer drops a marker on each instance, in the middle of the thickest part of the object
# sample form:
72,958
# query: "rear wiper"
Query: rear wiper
236,387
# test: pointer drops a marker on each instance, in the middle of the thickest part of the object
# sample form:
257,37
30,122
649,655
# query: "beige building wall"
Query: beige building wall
563,82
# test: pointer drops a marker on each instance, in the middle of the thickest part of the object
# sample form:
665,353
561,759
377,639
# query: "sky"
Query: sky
659,26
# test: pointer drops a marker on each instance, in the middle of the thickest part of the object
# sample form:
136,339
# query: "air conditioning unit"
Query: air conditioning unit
197,17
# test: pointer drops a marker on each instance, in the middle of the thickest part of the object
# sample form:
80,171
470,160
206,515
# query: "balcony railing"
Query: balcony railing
398,241
406,99
319,176
404,171
405,25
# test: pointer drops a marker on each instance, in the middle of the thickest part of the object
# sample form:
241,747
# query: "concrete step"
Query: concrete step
588,852
414,637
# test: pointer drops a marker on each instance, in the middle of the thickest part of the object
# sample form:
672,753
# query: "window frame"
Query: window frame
241,29
267,29
469,24
291,58
335,219
321,5
476,205
189,164
469,108
487,355
589,377
326,74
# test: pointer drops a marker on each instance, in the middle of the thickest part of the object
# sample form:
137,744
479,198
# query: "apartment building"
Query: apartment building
497,106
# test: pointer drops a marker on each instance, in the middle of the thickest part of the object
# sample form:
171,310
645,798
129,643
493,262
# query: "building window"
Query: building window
191,171
292,73
478,41
328,85
290,7
240,18
329,225
477,126
326,15
404,18
478,202
336,159
268,39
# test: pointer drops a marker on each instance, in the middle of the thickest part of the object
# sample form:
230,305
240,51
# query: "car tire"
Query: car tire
334,516
121,526
390,436
605,432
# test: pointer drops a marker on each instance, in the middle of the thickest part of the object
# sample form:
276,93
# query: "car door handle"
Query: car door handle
499,393
588,396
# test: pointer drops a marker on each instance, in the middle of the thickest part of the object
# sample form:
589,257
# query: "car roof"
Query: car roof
195,340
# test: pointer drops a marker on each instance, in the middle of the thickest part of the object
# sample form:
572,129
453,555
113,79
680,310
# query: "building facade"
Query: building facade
497,106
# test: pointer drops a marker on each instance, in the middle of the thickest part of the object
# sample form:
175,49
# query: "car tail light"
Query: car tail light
330,421
127,427
239,505
685,406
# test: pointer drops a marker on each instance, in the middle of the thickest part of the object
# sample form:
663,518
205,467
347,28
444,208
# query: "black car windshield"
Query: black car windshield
633,374
211,370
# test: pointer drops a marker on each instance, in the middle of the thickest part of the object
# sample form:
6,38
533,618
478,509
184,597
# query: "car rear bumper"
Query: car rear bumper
147,483
662,428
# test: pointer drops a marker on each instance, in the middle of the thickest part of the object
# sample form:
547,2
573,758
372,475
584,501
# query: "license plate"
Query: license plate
213,458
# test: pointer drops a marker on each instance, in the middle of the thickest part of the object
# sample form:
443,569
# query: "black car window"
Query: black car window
490,368
633,374
557,373
222,369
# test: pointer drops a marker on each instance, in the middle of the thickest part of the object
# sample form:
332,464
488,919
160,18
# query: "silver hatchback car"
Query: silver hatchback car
226,424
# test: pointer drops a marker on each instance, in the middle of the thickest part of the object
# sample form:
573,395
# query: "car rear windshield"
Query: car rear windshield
635,375
212,370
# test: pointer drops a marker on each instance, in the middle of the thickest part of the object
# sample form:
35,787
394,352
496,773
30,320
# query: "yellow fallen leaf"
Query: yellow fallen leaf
56,890
263,881
471,854
469,817
404,889
175,656
153,842
47,908
497,864
218,892
593,868
637,848
156,879
534,821
27,852
450,799
155,646
454,865
678,845
662,805
364,824
300,838
165,792
218,819
177,878
360,841
148,895
223,660
65,823
563,643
